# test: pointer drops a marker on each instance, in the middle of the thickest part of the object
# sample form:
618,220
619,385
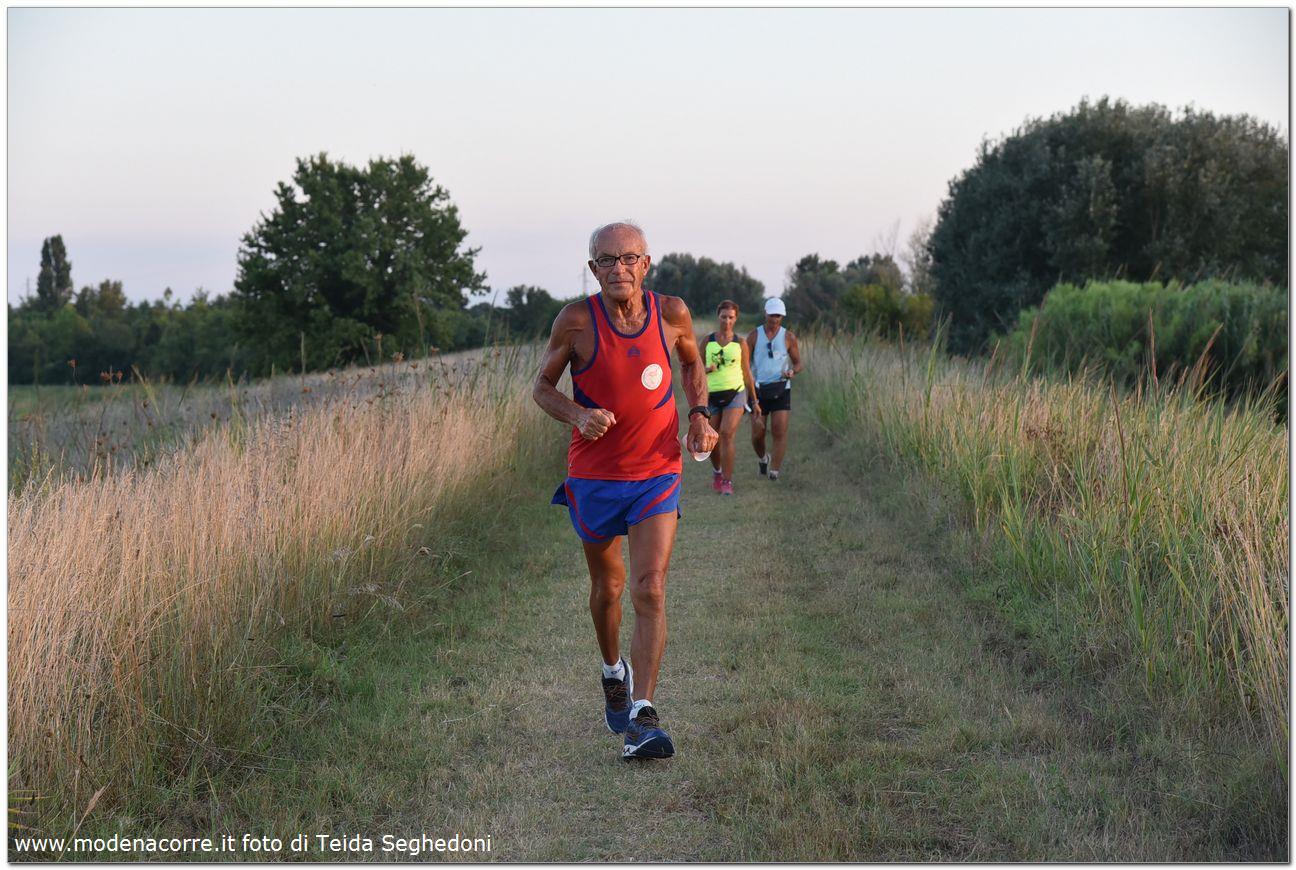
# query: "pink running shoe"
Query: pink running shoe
726,487
715,480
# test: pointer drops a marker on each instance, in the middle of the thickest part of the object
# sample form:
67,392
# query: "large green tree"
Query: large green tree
1108,189
531,311
704,283
352,259
814,289
54,283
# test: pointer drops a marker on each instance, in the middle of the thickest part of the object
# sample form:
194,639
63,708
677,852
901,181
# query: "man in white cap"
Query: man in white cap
775,360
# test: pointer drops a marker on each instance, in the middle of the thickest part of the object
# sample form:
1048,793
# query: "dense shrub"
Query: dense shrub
885,310
1238,330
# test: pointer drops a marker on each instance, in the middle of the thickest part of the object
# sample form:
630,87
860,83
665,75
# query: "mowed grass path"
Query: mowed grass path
832,690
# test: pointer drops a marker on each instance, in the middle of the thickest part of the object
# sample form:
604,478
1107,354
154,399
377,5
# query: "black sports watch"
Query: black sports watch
699,409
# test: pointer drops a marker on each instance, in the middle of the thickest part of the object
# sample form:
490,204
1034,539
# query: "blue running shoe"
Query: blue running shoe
617,695
645,738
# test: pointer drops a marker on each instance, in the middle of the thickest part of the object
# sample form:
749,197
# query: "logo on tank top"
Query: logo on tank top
651,377
634,351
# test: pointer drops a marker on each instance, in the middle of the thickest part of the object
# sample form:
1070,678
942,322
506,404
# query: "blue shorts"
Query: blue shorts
602,509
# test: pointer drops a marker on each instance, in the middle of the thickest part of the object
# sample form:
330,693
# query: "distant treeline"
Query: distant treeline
357,264
353,265
870,292
99,336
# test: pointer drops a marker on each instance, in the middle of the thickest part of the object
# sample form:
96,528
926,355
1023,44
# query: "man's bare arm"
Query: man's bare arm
692,366
592,422
794,353
701,437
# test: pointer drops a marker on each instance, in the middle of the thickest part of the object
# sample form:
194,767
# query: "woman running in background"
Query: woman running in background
731,389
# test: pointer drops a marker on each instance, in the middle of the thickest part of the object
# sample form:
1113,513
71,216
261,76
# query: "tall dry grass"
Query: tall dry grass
84,430
1155,522
144,603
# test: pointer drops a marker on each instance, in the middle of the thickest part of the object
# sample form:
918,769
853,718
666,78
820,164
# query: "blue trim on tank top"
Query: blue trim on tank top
661,333
670,394
581,398
670,385
647,305
594,320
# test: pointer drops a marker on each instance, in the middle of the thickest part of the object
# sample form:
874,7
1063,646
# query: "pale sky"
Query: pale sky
152,139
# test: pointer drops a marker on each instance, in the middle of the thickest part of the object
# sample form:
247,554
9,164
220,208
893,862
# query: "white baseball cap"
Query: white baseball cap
775,306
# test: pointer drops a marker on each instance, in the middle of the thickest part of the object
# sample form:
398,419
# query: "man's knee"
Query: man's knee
606,589
649,590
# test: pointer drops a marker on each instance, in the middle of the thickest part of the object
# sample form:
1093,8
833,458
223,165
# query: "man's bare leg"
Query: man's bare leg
779,428
607,582
651,542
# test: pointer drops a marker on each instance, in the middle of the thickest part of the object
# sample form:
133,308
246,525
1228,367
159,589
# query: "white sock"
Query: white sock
614,672
639,705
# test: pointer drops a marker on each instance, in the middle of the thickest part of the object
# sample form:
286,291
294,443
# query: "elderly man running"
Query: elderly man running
776,359
623,461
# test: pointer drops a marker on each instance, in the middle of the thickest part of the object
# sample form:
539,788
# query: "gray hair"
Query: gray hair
625,224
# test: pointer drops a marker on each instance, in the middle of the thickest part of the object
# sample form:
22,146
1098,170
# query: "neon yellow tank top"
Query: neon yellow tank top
728,361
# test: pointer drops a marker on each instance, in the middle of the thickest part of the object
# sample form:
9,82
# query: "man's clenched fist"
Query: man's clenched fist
594,423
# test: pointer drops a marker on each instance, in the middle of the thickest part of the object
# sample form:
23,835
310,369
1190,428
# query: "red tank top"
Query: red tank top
629,375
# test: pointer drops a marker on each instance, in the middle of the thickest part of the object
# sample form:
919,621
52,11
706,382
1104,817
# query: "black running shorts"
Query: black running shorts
776,396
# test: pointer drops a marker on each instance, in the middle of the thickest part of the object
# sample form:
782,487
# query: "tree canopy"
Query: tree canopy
54,282
704,283
352,259
1108,190
816,287
531,311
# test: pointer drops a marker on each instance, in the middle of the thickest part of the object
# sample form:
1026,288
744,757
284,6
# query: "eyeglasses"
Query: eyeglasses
769,346
606,262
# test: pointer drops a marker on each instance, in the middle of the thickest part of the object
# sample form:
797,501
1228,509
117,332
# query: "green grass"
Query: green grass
851,675
839,680
1134,541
